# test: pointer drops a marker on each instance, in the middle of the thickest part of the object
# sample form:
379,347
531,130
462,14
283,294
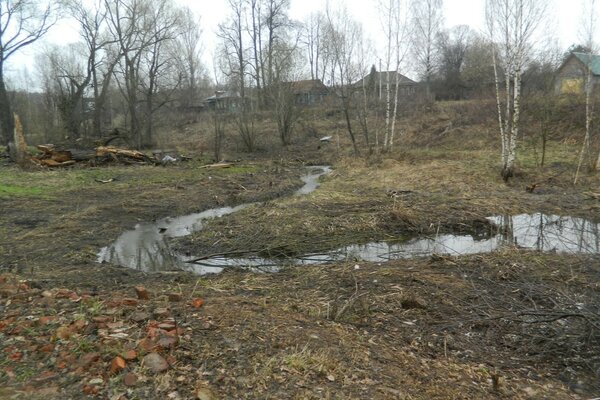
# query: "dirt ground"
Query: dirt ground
512,324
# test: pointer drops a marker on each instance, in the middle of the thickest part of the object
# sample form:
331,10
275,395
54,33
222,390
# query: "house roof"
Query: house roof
383,76
589,59
222,94
309,86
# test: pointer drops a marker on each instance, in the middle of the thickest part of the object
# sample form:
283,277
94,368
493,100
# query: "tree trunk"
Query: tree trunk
349,125
7,124
509,167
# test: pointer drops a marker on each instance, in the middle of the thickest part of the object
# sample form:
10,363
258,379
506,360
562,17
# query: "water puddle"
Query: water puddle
146,247
549,233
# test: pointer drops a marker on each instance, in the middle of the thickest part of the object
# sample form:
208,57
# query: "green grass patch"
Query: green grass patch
7,191
238,169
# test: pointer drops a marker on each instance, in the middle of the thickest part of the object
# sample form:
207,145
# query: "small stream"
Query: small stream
146,247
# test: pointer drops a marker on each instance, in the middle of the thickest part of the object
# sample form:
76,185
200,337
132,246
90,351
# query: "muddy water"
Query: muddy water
541,232
146,247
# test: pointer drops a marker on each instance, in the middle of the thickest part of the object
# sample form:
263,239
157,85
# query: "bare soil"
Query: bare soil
512,324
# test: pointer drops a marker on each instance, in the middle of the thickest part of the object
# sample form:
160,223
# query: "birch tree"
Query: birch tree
511,25
395,32
589,32
427,19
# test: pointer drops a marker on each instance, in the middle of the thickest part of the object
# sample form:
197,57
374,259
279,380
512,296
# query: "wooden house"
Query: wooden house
376,84
224,101
309,92
572,74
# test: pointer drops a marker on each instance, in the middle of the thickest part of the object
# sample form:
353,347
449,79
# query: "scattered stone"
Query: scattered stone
63,294
63,333
146,345
96,381
197,302
128,301
175,297
161,312
142,293
88,358
155,363
139,316
130,355
204,394
117,365
167,342
167,326
130,379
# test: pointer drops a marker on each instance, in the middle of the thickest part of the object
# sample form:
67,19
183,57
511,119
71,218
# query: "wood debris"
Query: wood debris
218,165
53,157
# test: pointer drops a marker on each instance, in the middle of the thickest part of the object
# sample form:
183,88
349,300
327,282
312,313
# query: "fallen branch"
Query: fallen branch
218,165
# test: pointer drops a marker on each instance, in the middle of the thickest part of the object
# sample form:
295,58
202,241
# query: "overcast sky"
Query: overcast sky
563,21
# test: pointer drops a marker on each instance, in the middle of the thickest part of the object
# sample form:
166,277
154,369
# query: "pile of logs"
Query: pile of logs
53,157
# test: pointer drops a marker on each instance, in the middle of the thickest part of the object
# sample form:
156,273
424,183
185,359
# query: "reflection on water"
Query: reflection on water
530,231
146,247
550,233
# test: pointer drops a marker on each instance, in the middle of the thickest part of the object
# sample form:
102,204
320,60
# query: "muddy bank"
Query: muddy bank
395,201
512,325
60,219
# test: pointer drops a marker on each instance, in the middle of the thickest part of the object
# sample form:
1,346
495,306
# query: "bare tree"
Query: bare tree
21,24
276,22
427,21
281,91
82,69
141,29
234,64
589,31
233,47
187,49
511,25
395,32
344,37
453,46
312,39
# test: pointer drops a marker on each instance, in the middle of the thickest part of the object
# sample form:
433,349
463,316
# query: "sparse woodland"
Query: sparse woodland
137,70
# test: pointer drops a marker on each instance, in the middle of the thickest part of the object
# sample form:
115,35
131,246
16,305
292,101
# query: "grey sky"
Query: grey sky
563,19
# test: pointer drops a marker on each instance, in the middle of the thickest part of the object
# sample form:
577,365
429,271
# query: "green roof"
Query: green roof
588,59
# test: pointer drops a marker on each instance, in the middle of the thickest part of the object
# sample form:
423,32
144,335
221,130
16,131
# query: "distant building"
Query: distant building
572,74
224,100
376,84
309,92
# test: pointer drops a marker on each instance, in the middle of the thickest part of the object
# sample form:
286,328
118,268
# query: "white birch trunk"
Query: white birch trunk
499,106
387,111
393,130
585,149
512,150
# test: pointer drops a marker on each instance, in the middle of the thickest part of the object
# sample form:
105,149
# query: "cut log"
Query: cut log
46,148
218,165
49,162
105,150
